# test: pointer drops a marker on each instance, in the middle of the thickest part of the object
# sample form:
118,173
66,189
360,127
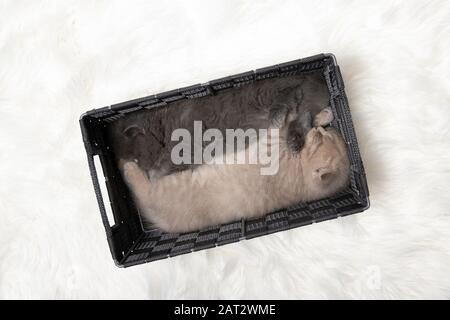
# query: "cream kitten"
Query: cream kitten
215,194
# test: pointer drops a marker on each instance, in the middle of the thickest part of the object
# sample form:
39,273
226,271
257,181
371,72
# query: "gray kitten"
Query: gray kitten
145,135
215,194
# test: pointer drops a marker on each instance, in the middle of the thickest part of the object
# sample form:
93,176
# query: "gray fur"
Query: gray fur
145,135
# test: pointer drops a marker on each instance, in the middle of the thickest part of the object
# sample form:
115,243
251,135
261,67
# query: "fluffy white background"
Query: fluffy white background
61,58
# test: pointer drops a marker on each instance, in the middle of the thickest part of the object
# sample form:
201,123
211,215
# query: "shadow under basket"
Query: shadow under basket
131,244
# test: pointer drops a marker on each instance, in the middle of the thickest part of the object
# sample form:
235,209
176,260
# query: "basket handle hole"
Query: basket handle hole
104,191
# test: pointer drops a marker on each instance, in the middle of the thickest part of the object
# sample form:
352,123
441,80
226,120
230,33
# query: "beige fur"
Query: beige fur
215,194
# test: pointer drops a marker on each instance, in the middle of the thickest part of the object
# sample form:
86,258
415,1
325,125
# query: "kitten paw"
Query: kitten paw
130,170
122,162
323,118
130,165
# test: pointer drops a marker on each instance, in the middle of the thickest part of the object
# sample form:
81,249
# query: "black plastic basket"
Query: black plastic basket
131,244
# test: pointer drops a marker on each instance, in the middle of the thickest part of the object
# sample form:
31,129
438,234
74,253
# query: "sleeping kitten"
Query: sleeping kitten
214,194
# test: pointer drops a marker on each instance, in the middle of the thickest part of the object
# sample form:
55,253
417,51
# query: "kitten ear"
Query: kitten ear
324,174
132,131
324,117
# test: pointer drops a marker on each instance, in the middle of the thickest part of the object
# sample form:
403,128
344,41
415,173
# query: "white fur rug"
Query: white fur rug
59,59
